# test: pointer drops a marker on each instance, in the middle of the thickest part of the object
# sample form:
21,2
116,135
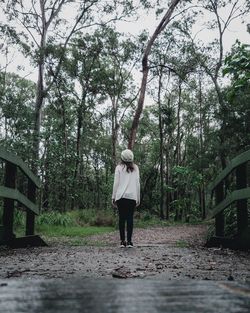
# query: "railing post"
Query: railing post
30,216
8,204
241,182
219,218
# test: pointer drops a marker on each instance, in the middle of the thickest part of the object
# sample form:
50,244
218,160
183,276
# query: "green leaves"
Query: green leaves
237,64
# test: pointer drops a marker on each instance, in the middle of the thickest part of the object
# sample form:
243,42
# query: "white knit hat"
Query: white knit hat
127,156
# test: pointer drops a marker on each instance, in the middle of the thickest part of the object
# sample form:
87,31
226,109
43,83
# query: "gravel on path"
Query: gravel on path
174,252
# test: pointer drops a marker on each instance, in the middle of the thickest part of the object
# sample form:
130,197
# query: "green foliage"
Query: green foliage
237,64
236,114
56,219
77,218
19,218
95,218
181,244
71,231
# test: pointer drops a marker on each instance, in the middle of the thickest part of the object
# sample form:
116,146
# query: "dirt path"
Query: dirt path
170,252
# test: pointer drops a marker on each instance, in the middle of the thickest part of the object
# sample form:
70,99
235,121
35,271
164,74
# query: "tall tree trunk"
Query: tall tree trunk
65,171
202,187
78,151
168,193
135,123
39,90
178,139
161,146
37,118
115,127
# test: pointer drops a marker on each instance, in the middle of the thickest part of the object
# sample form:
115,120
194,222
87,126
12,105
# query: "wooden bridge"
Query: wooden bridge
131,295
113,296
12,195
231,188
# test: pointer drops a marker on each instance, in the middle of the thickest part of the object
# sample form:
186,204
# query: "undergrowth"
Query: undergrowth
74,226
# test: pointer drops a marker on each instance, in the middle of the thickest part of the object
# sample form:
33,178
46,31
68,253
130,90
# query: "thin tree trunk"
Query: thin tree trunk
168,193
38,111
145,69
65,143
178,143
78,152
202,187
161,145
40,90
115,127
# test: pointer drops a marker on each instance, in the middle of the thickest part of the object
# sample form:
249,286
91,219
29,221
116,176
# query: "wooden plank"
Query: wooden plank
14,194
27,241
238,243
8,203
131,295
242,211
14,159
240,159
234,196
30,216
219,218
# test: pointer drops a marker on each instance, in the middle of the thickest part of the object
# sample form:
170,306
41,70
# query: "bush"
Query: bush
55,218
95,218
104,220
84,217
19,218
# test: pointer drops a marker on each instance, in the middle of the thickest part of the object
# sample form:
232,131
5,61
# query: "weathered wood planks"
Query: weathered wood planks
115,295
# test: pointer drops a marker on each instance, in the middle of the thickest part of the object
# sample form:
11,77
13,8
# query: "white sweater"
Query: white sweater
126,185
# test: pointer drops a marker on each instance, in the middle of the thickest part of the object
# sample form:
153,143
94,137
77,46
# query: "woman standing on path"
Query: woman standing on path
126,194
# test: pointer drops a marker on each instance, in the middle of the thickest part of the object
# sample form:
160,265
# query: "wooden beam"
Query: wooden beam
219,218
14,159
8,203
30,216
242,212
14,194
234,196
240,159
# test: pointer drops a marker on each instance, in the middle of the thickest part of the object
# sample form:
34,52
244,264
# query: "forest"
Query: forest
85,100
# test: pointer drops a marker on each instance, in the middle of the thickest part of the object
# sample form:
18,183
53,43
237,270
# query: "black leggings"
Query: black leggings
126,213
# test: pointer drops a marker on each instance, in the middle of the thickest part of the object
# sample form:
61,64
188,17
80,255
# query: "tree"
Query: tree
213,62
16,106
43,24
145,69
238,97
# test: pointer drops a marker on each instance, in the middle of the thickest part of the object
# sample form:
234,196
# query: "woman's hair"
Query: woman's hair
129,165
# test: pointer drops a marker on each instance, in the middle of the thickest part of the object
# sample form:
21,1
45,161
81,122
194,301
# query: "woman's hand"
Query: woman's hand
114,203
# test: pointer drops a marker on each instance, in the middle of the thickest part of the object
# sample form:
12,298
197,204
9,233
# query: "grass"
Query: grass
74,228
72,231
181,244
72,235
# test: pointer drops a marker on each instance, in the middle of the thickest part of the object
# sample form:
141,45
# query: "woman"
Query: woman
126,194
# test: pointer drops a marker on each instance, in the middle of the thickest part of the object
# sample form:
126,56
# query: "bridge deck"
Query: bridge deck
115,295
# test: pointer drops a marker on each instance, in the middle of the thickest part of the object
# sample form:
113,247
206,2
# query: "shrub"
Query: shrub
55,218
95,218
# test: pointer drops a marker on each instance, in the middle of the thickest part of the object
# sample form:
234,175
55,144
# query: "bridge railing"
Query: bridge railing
10,195
222,197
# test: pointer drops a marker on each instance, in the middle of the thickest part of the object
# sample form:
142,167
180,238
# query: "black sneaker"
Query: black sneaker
123,244
130,244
